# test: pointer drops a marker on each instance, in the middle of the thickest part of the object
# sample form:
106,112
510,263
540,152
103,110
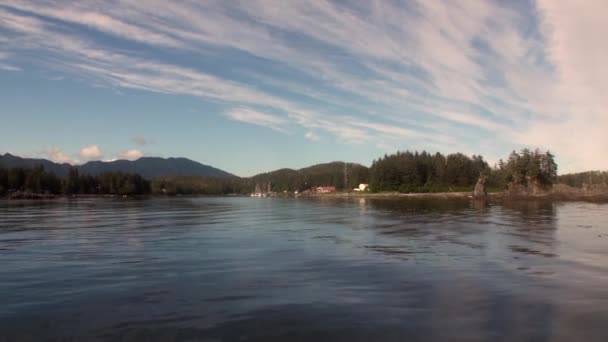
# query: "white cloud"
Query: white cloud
575,33
311,136
124,71
258,118
97,20
131,154
8,67
394,131
92,152
56,155
345,131
472,120
393,74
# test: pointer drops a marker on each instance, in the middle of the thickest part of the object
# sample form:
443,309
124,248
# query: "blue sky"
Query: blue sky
251,86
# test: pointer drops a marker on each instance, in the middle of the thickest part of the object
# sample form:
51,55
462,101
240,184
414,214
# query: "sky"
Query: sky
255,85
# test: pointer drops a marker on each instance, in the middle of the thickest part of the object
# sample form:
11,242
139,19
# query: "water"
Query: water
251,269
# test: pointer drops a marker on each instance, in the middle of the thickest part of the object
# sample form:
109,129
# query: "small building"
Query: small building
325,189
362,187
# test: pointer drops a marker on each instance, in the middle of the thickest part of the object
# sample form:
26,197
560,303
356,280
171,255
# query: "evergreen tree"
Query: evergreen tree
72,185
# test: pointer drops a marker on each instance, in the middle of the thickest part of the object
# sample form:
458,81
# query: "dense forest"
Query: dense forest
401,172
200,185
37,180
527,168
425,172
590,178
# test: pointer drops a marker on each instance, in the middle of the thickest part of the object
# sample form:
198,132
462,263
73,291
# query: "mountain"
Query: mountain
150,167
147,167
9,161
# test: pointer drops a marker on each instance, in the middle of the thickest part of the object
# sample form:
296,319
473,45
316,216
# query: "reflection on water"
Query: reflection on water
248,269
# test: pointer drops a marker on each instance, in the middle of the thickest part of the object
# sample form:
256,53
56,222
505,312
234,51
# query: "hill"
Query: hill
327,174
147,167
9,161
150,167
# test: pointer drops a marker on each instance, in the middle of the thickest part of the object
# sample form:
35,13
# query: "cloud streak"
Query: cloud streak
253,117
484,76
4,65
311,136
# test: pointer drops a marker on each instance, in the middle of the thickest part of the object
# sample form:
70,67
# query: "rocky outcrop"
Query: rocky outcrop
517,189
480,188
534,187
531,188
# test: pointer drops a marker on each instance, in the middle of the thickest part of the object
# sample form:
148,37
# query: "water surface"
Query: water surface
270,269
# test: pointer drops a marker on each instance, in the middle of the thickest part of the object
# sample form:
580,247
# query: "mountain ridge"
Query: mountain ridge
147,167
344,175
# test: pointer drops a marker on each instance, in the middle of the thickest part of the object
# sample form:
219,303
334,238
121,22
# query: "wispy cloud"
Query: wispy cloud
311,136
472,120
8,67
258,118
92,18
141,140
416,73
4,65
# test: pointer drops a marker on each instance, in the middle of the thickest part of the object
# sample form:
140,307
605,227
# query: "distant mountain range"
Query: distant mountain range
147,167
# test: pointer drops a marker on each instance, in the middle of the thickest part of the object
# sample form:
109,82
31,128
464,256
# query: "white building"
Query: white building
362,187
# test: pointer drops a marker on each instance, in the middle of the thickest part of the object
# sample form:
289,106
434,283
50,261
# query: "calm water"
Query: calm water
251,269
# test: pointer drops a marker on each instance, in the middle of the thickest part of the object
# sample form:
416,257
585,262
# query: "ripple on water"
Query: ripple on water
287,269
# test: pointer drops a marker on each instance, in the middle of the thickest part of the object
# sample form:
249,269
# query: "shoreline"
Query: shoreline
553,195
437,195
559,192
503,195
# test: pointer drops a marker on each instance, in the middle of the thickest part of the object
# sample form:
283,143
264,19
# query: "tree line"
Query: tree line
200,185
425,172
402,171
526,168
37,180
341,175
589,178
